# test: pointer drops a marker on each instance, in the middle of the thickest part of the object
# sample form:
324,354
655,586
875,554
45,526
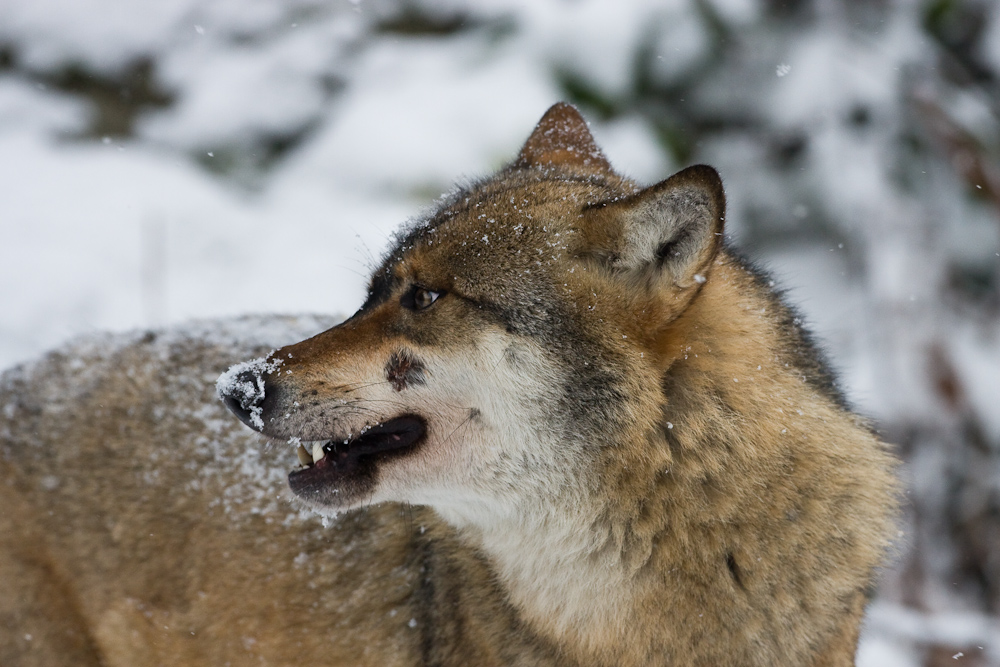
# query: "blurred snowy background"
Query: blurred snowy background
174,159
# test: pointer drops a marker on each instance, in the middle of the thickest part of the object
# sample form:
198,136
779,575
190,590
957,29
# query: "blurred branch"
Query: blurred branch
118,99
950,388
965,153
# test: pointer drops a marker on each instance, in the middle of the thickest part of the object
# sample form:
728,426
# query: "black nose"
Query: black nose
243,393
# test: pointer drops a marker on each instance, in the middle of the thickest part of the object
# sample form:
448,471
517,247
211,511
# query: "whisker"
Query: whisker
464,422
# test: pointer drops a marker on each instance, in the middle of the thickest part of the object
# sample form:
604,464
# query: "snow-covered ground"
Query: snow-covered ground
265,150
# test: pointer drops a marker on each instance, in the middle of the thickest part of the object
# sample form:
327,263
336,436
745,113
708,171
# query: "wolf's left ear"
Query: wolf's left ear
669,232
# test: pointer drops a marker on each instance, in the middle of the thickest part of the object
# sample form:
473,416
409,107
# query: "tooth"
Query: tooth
304,457
317,452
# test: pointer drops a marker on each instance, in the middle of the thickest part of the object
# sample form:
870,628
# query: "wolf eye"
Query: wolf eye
419,298
422,298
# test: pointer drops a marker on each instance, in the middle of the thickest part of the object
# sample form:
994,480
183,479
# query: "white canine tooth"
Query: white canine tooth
303,454
317,452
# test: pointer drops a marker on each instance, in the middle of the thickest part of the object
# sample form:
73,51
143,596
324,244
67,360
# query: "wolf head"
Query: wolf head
508,343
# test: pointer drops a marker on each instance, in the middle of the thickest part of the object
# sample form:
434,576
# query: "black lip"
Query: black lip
353,462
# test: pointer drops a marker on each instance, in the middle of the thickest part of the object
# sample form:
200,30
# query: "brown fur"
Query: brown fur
632,457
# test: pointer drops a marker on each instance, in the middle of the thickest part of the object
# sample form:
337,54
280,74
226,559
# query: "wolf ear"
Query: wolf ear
561,138
669,232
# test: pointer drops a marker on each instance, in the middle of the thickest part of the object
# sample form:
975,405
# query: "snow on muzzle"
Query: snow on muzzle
243,389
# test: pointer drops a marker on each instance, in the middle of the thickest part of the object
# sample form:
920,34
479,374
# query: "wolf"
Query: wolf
568,426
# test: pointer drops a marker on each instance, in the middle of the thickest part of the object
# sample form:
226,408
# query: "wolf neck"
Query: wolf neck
563,571
588,569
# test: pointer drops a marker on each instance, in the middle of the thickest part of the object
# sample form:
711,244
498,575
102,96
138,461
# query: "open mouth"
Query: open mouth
337,461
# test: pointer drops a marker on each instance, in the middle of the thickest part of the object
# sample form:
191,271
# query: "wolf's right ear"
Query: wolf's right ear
667,234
